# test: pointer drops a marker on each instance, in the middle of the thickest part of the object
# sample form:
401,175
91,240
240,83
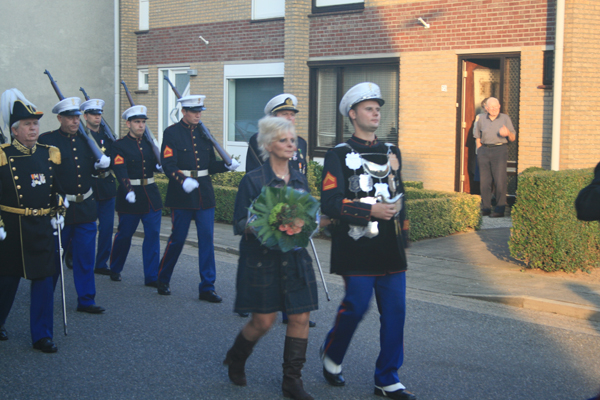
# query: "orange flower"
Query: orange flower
298,222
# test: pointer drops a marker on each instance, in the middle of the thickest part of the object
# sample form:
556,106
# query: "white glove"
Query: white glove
159,168
66,203
234,165
104,162
57,221
190,184
130,197
2,234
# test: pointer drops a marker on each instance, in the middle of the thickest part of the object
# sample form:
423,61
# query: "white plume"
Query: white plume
7,102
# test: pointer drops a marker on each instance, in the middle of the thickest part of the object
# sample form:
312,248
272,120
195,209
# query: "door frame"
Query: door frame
459,104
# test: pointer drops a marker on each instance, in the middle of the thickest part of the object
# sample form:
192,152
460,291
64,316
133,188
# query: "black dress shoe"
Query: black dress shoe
485,213
163,288
210,296
401,394
93,309
46,345
152,284
243,314
332,379
115,276
496,215
3,333
102,271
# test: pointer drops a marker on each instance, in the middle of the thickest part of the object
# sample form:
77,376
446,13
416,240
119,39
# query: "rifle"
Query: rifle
91,142
61,253
103,123
226,157
149,136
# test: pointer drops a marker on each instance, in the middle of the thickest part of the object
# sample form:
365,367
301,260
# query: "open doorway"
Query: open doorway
480,77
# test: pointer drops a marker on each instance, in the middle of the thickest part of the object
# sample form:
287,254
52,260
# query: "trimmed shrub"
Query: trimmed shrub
225,203
227,179
442,215
413,184
546,233
314,174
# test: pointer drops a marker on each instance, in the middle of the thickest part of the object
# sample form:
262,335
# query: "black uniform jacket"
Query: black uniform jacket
134,159
297,162
27,180
186,148
74,174
366,256
103,181
587,203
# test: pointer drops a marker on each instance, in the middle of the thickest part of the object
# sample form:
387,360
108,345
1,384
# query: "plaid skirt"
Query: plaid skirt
269,280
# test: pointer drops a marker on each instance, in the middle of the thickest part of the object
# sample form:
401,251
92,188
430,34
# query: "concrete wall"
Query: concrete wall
73,39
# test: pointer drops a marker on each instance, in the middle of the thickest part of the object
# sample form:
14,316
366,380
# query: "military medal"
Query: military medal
353,184
353,161
382,189
366,182
102,148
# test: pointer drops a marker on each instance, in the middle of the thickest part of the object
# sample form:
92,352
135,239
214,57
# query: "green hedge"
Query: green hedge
439,215
546,233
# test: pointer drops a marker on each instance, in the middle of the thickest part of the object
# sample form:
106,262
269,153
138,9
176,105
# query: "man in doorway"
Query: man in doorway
368,242
492,133
188,159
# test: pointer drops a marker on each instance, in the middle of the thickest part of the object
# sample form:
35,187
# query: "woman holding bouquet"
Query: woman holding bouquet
269,280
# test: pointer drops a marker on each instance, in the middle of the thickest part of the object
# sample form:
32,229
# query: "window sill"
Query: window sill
145,91
256,21
142,32
333,12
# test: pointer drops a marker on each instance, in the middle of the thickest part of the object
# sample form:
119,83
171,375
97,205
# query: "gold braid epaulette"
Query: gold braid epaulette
3,159
54,153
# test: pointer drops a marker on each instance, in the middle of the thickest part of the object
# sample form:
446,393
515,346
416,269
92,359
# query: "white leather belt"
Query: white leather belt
195,174
141,182
102,176
78,198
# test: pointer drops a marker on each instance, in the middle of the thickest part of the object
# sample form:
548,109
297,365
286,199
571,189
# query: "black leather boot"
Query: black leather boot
236,359
294,357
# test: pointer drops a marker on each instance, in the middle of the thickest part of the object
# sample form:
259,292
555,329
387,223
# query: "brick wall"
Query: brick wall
296,53
129,20
427,126
168,13
392,28
580,137
234,40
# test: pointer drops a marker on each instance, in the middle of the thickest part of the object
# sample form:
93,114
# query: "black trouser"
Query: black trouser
492,170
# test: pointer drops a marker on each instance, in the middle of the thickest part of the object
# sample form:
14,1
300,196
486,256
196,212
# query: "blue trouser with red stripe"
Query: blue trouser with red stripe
41,309
81,238
205,226
106,225
128,223
390,294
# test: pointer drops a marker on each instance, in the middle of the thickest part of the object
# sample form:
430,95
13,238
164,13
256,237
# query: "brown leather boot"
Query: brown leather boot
236,359
294,357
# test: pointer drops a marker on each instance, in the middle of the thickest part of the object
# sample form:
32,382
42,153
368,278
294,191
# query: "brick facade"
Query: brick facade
387,28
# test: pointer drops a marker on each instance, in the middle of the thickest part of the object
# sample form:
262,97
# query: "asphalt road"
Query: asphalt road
148,346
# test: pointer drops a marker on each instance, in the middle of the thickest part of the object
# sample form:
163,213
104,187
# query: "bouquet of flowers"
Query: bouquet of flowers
284,218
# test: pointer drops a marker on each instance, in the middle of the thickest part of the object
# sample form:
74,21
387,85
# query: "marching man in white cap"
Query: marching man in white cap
188,159
368,240
283,105
138,197
28,199
103,183
74,175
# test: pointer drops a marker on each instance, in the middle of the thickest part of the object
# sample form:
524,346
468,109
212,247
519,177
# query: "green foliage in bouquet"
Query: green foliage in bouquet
284,218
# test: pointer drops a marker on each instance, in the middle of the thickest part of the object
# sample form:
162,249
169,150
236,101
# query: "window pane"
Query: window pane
386,77
327,107
251,96
325,3
268,9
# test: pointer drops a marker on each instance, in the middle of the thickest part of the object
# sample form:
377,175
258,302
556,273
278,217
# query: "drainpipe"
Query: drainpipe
557,84
117,44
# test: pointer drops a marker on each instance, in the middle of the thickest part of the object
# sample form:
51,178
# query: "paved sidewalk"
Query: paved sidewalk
476,265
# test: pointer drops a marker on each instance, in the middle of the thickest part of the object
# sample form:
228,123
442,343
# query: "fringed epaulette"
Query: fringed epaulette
54,153
3,159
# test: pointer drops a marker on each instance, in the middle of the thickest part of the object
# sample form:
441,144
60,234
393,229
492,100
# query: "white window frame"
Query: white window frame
144,20
172,100
142,78
329,3
243,71
265,9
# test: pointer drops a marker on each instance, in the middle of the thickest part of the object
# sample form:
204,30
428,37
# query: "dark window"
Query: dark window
329,82
548,67
323,6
